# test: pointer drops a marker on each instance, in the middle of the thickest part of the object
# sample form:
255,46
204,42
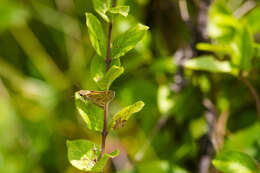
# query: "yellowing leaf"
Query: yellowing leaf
84,155
120,119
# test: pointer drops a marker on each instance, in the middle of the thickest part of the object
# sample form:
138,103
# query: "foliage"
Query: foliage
196,80
88,103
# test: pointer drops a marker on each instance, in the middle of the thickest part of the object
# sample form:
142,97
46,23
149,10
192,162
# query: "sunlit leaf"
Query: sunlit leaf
234,162
123,10
216,48
243,48
253,20
165,103
98,68
208,63
11,14
96,34
119,120
113,73
101,7
127,41
84,155
244,138
91,113
221,24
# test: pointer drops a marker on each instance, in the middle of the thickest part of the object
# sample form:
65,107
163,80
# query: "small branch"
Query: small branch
104,132
108,58
253,92
108,61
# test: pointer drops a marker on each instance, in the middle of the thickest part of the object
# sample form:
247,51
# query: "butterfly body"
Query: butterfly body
100,98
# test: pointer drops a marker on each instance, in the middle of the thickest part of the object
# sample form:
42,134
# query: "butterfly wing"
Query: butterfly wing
100,98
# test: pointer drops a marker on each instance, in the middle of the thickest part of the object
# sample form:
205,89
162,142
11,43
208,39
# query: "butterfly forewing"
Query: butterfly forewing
100,98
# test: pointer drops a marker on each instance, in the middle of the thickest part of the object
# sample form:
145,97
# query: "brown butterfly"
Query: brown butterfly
100,98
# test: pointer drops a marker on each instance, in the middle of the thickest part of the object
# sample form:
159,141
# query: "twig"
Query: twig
108,58
253,92
108,61
104,132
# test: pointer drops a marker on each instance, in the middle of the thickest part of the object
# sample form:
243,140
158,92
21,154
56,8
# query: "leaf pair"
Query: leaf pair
102,7
84,155
91,105
100,76
121,45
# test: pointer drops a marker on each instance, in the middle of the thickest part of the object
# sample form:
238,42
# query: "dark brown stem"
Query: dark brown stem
108,61
253,92
108,58
104,132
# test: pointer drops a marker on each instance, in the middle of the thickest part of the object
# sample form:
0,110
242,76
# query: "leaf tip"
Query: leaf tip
140,104
143,27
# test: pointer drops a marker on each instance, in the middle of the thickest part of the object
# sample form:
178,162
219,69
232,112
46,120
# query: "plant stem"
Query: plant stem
108,61
104,132
108,58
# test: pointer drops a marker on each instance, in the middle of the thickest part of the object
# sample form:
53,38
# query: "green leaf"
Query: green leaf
216,48
243,49
208,63
12,14
159,166
235,162
253,20
97,68
165,102
113,73
164,64
101,7
96,34
244,138
120,119
123,10
91,113
222,23
128,40
84,155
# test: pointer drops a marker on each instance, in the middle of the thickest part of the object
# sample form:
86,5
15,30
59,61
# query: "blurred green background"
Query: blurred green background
45,55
